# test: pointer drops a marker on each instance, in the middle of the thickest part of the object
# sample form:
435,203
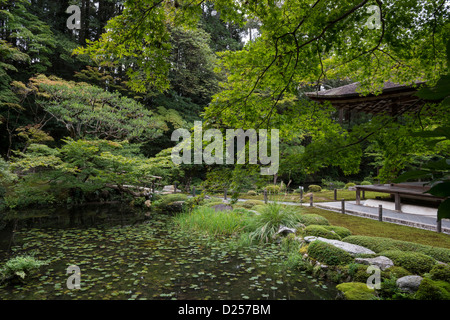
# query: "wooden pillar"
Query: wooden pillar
380,212
364,194
265,196
335,194
311,201
341,116
175,187
225,194
398,206
193,191
343,206
439,226
358,196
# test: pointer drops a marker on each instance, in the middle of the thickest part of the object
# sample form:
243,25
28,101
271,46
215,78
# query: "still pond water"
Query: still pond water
124,254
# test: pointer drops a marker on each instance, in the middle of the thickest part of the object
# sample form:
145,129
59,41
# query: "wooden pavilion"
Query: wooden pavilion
394,99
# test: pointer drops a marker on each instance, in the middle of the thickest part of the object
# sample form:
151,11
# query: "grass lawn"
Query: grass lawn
322,196
374,228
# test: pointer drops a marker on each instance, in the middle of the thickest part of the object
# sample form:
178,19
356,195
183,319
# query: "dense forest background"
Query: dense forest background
77,125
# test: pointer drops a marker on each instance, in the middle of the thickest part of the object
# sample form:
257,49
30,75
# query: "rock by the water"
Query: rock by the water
353,249
148,203
381,261
285,230
409,283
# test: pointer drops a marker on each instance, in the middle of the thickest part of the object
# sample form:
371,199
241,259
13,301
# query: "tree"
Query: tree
88,111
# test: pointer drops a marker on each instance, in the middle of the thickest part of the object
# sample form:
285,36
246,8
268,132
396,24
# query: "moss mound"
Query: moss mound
433,290
440,272
415,262
379,244
320,231
249,204
311,218
396,272
356,291
328,254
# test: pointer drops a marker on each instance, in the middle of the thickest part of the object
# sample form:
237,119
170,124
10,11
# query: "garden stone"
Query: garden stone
283,230
352,249
409,283
381,261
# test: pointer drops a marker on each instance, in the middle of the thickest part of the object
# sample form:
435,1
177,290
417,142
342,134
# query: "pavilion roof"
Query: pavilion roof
394,98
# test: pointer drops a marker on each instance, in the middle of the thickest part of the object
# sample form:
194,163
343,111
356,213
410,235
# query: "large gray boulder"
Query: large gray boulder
409,283
353,249
381,261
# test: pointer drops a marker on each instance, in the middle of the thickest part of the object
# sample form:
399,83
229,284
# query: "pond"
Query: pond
126,254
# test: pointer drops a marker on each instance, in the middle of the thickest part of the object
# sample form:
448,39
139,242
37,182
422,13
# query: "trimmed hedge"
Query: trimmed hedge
314,188
379,244
320,231
328,254
350,184
312,218
415,262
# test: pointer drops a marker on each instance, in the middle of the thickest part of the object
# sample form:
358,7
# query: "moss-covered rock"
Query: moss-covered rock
328,254
440,272
433,290
320,231
414,262
380,244
356,291
311,218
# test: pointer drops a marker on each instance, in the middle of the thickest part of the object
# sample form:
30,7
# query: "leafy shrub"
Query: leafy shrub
330,185
365,183
415,262
320,231
379,244
395,272
440,272
251,203
350,184
328,254
169,203
311,218
19,267
433,290
273,188
251,193
264,226
314,188
357,272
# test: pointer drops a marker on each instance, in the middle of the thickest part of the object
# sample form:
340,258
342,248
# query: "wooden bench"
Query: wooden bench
413,190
